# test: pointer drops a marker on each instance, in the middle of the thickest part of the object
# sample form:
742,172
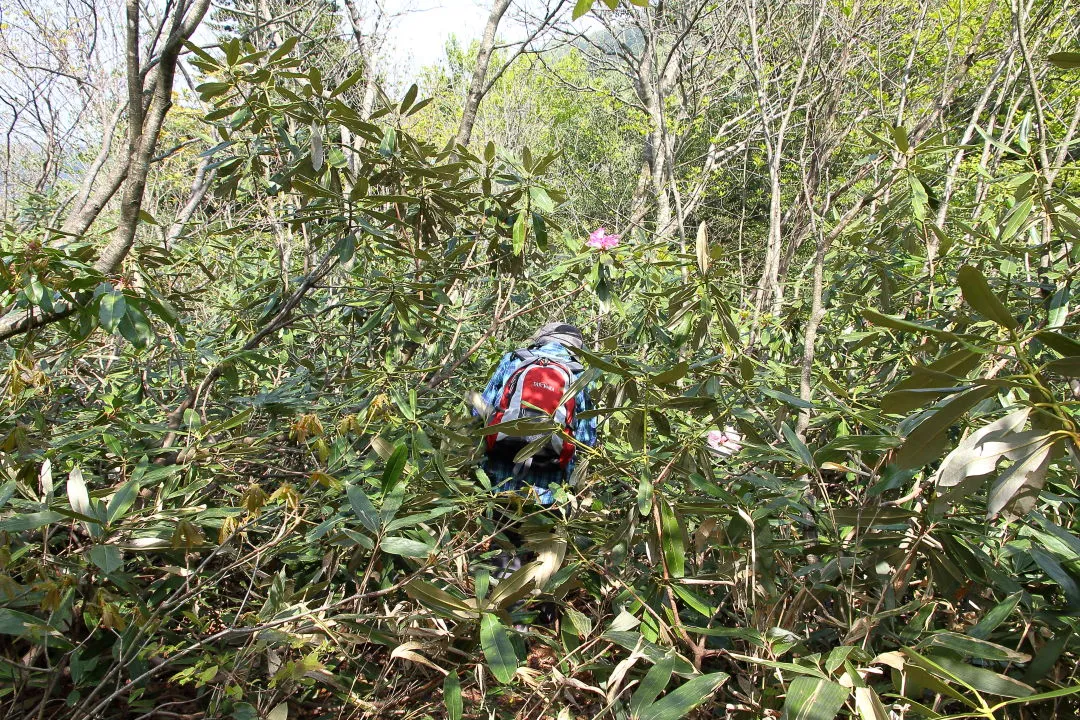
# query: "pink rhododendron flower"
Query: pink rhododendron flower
600,240
724,442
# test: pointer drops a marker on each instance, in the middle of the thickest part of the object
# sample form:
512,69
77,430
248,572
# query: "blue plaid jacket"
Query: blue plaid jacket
501,472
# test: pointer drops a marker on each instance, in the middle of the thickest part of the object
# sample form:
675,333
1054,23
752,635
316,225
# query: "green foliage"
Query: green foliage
255,489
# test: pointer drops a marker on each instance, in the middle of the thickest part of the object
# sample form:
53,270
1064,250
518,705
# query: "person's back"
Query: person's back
523,385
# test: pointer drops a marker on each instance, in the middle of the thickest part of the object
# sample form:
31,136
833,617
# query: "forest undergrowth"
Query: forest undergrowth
238,469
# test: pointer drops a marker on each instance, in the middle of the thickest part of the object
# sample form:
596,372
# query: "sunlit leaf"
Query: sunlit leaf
111,310
671,375
363,508
452,695
973,647
581,7
389,142
672,541
405,546
979,452
440,601
122,500
499,653
29,521
1026,474
814,699
1065,60
395,466
922,444
107,557
656,680
980,679
978,295
409,99
869,705
896,323
519,233
679,702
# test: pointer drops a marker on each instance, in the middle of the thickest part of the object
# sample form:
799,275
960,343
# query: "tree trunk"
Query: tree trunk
199,186
483,59
90,182
143,136
817,312
145,120
366,56
651,90
770,293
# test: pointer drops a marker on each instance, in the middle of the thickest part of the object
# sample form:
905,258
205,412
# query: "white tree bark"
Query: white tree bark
479,79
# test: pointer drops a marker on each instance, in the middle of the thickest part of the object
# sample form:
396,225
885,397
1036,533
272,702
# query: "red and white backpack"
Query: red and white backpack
536,389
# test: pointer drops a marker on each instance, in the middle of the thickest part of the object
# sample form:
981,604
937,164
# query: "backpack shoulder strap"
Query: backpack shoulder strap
525,355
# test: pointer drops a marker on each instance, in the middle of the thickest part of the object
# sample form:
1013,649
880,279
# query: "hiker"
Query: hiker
530,382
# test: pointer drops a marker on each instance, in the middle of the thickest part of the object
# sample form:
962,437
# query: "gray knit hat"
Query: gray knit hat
559,332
